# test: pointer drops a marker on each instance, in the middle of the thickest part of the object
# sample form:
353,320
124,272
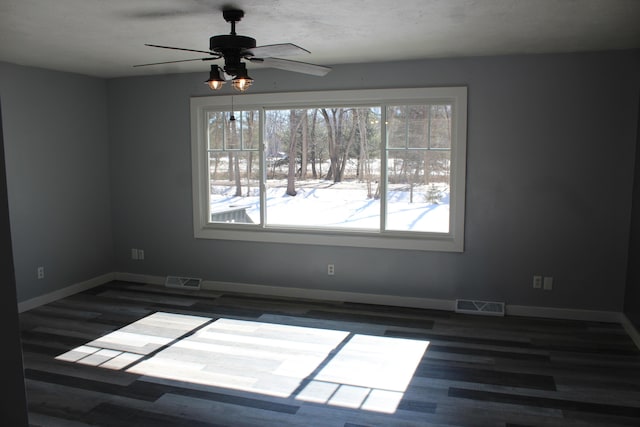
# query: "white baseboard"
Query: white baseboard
631,329
342,296
65,292
326,295
301,293
563,313
140,278
400,301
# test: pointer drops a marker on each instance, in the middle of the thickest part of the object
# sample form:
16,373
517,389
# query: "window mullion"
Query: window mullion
428,129
384,143
263,167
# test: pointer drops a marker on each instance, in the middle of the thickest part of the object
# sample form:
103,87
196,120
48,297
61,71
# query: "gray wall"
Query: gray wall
56,144
13,405
632,295
549,179
96,168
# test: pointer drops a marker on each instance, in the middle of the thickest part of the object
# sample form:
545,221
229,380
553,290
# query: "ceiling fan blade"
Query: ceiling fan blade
161,14
295,66
180,48
282,49
200,7
173,62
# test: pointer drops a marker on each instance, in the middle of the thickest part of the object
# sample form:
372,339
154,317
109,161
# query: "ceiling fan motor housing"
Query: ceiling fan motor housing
231,41
232,48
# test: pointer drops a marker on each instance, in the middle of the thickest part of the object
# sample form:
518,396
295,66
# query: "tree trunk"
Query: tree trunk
345,154
249,161
331,138
294,124
236,161
313,145
305,146
364,166
231,174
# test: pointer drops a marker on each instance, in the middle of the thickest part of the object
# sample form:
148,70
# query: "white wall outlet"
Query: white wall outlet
537,282
134,253
548,283
40,272
141,254
331,269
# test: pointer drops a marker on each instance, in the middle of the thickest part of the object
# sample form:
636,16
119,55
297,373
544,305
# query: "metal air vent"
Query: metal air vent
182,282
489,308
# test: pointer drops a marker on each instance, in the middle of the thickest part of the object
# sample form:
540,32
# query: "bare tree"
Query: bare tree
304,148
339,141
236,161
314,144
249,121
294,125
332,123
364,164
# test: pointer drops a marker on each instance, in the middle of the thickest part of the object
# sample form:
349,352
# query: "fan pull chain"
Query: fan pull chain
232,118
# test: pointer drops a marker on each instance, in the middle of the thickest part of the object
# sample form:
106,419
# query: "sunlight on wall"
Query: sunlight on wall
310,364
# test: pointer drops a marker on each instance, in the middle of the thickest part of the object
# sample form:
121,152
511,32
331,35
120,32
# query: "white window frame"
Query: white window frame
453,241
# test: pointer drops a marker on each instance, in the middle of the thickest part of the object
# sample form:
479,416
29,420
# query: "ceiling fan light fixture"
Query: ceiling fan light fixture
215,82
233,48
242,81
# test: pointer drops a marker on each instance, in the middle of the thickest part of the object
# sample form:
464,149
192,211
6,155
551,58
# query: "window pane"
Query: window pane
323,167
250,128
418,190
418,126
440,126
397,127
233,132
234,174
234,194
216,129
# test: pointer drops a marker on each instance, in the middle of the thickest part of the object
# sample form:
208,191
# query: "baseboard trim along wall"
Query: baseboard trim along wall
400,301
65,292
631,329
340,296
327,295
563,313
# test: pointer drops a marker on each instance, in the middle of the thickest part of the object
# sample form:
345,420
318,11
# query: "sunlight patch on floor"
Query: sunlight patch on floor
310,364
265,358
125,346
369,372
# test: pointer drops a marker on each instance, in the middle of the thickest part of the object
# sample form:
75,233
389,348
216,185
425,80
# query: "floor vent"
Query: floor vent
182,282
488,308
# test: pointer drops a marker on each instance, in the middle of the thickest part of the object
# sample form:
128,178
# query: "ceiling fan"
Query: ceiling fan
233,48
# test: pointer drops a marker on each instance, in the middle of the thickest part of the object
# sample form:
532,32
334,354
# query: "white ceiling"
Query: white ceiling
106,38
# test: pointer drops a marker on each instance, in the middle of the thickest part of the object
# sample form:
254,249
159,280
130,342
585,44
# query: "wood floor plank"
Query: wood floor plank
120,354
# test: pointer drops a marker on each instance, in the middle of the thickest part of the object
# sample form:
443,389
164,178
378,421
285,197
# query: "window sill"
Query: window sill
387,240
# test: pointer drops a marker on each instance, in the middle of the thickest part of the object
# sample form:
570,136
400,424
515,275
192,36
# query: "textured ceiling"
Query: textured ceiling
106,37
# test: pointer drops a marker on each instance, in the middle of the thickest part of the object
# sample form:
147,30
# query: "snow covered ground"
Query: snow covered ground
343,205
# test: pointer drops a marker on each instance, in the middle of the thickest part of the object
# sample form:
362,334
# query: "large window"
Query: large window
374,168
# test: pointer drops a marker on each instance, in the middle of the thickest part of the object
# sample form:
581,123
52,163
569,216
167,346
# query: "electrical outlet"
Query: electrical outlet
331,269
548,283
40,272
141,254
537,282
134,253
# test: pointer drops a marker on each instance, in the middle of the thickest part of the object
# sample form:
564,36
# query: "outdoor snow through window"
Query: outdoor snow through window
374,168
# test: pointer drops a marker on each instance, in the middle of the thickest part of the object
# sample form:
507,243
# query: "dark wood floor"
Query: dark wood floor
125,354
